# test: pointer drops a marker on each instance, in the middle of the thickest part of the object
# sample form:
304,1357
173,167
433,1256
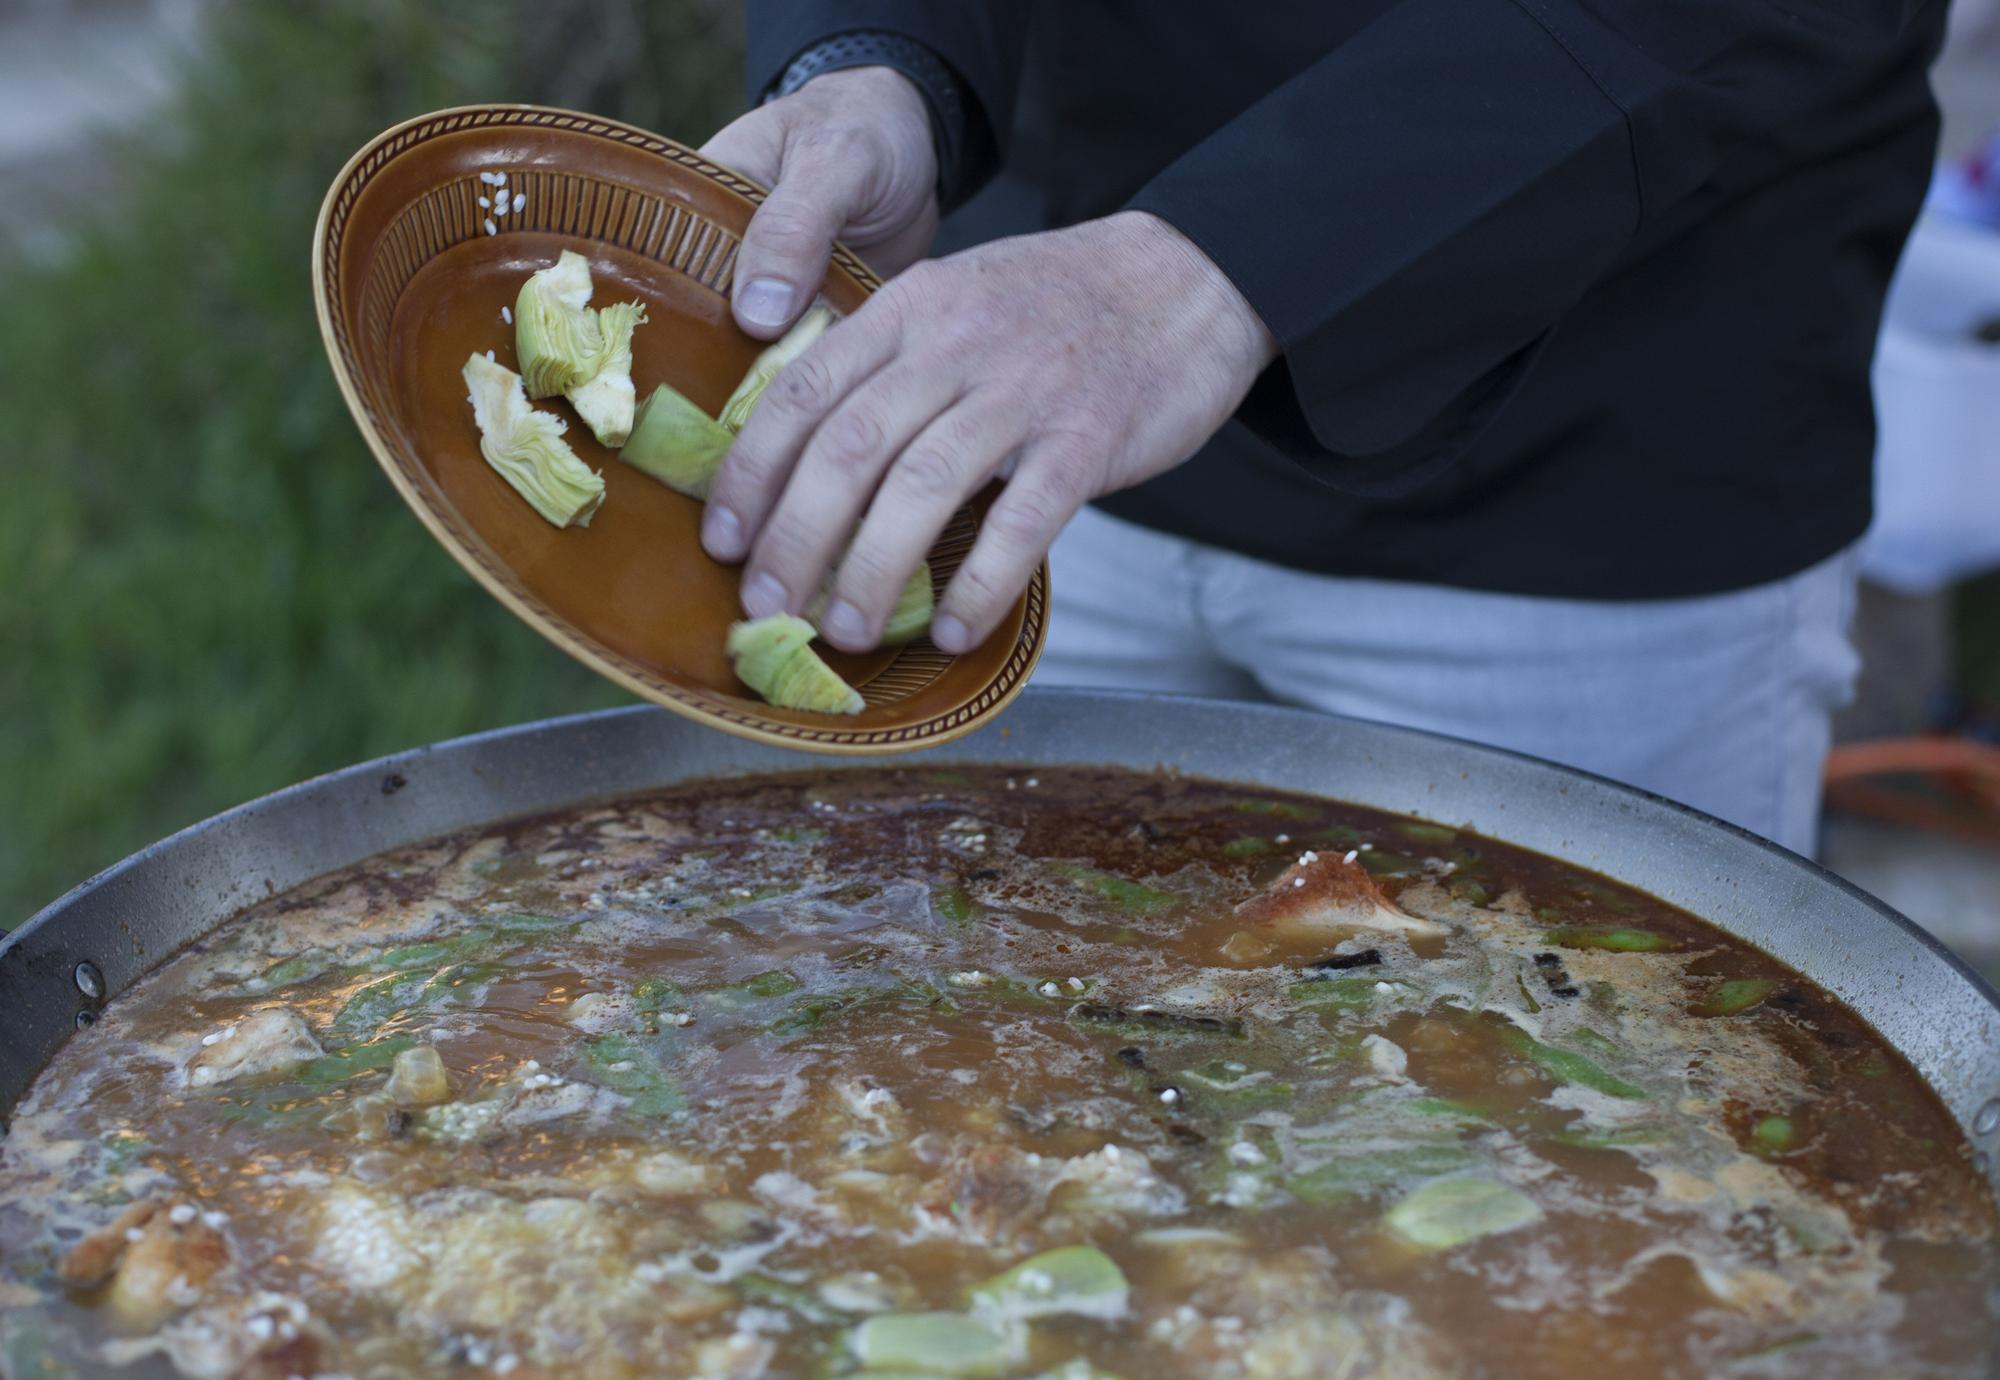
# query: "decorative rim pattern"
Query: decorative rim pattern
329,236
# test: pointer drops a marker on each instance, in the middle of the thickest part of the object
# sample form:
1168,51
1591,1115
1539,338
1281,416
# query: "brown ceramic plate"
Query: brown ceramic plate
409,282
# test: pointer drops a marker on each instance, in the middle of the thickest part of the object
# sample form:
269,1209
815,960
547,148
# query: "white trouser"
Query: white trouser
1722,702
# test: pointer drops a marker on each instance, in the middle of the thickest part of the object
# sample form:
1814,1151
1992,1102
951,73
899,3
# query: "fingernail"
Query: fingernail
950,635
843,626
765,302
722,533
763,596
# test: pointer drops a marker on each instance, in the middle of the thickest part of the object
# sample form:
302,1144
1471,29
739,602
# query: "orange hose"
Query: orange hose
1964,769
1892,756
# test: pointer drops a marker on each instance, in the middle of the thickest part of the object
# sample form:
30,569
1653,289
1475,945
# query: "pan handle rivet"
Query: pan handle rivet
89,980
1981,1163
1987,1119
85,1019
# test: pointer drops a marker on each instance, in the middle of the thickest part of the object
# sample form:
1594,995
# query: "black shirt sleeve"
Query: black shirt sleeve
981,41
1413,214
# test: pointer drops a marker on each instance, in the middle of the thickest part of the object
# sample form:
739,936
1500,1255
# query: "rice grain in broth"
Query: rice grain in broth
783,1076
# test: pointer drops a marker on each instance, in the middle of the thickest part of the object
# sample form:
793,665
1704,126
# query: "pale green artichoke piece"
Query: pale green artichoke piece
1450,1212
558,339
761,646
527,446
1070,1279
772,362
677,443
910,618
606,400
912,615
417,1078
772,657
934,1344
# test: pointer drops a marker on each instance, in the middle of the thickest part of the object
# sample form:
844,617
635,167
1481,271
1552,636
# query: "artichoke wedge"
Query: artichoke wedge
556,336
677,443
1451,1211
527,446
682,446
567,348
1070,1279
772,362
946,1346
772,657
911,617
606,401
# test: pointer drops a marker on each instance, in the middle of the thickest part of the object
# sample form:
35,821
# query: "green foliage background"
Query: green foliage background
207,589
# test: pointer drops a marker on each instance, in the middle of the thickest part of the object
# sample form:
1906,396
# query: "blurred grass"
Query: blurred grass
207,589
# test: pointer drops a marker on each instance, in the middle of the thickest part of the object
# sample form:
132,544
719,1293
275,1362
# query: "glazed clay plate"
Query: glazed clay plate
409,282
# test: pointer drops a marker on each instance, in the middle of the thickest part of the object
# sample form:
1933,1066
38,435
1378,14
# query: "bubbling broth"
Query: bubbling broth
1078,1074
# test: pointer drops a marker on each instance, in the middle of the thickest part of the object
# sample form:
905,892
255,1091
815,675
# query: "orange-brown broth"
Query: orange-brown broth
879,1112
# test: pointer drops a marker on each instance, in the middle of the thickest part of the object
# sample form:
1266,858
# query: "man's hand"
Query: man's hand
847,156
1078,362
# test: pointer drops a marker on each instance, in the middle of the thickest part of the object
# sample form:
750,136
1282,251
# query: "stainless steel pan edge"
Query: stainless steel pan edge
123,922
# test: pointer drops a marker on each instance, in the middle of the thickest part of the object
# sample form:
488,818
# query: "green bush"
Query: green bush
207,589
